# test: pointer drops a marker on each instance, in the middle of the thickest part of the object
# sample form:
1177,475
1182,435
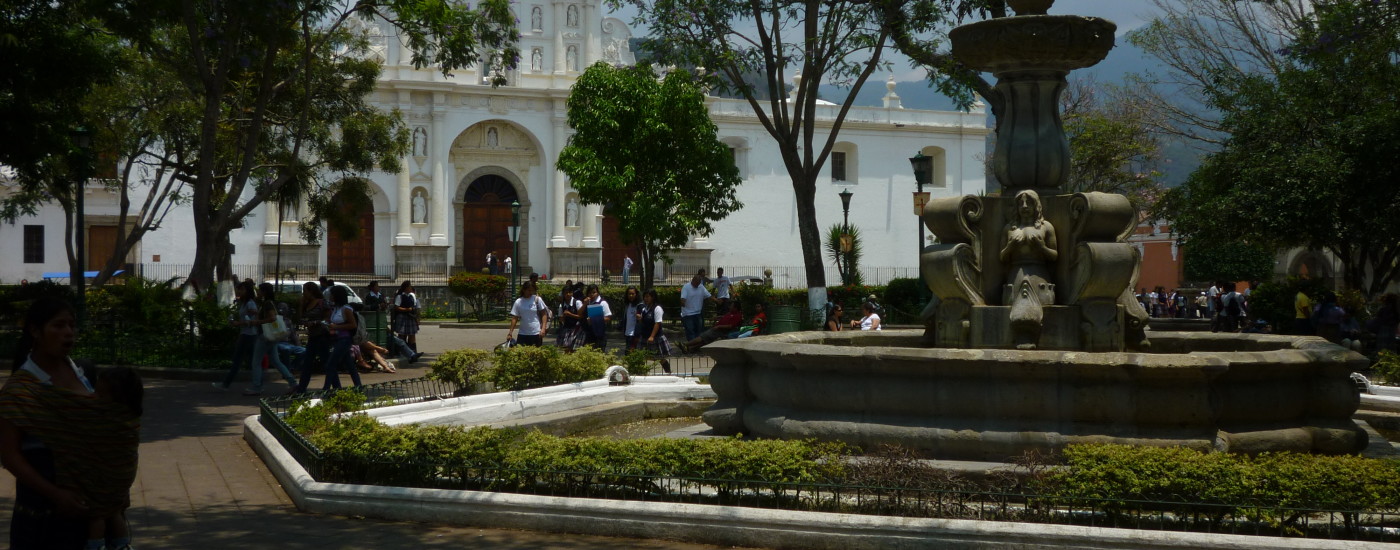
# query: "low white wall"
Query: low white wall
724,525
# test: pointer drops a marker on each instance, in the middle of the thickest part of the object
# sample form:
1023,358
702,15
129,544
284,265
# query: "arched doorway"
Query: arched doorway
352,256
486,219
614,249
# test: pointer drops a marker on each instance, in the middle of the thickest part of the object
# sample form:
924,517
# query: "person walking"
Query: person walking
631,299
567,336
247,318
649,316
597,315
1302,314
530,313
314,314
626,269
693,296
33,433
406,309
342,324
722,286
264,348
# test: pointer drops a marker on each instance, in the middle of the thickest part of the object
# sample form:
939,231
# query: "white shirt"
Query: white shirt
722,287
529,314
693,299
631,326
33,368
868,320
626,263
507,264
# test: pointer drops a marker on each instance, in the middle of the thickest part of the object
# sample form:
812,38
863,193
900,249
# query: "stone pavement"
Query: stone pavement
200,486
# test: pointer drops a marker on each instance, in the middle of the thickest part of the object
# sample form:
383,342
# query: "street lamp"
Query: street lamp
82,138
846,240
514,239
923,173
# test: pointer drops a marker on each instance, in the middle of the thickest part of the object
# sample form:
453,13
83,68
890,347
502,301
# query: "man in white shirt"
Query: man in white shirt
693,296
626,269
1213,294
722,285
506,263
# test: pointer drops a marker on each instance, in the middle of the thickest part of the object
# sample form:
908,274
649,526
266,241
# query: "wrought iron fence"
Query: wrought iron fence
960,502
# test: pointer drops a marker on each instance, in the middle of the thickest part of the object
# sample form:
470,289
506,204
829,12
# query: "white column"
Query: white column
437,226
591,218
404,212
558,37
557,236
271,229
591,25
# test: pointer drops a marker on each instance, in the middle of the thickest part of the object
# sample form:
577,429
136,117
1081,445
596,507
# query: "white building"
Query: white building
477,148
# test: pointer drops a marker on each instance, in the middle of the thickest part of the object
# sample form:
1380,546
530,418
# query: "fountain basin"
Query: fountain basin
1033,42
1231,392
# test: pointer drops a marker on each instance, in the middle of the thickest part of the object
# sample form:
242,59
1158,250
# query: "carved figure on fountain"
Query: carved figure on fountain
1028,248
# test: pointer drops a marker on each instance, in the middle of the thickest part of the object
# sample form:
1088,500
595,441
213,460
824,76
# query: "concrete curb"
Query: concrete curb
721,524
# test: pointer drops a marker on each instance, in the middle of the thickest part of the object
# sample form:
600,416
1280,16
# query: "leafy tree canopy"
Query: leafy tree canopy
647,150
1227,261
1310,156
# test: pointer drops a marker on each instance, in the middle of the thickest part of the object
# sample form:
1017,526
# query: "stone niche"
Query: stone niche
1235,393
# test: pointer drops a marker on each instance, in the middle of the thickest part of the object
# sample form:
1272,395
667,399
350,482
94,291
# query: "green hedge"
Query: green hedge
521,367
1270,487
360,438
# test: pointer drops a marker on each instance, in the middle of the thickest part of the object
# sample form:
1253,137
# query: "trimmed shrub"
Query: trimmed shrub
903,299
522,367
463,367
477,288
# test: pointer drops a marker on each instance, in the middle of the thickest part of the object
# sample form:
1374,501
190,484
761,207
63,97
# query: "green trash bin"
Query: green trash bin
784,319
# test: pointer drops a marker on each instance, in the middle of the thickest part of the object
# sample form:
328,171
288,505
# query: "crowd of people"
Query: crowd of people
324,334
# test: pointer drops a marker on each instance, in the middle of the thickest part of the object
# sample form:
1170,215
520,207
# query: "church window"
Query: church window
34,244
838,166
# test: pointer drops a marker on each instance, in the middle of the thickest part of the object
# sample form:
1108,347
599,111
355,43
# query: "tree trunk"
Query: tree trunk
804,188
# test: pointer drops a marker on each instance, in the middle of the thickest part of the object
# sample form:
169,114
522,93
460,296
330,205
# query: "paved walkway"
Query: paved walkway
200,486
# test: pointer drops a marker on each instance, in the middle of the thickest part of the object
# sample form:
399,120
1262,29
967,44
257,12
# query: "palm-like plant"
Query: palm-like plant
848,263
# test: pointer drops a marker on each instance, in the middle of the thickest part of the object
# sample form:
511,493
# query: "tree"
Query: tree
278,102
648,150
1201,41
51,55
847,263
1209,260
1309,160
1113,148
821,42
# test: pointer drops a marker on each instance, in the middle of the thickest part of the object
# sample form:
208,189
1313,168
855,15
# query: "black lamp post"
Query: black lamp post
846,244
923,173
82,139
515,239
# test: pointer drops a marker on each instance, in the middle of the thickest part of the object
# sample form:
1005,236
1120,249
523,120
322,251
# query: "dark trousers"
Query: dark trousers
318,349
33,524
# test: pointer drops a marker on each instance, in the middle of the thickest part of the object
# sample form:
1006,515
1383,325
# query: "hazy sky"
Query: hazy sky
1127,14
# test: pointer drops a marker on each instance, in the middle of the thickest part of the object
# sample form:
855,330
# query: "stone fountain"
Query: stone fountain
1033,339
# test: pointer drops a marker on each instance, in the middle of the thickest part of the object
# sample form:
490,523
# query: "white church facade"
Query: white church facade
477,149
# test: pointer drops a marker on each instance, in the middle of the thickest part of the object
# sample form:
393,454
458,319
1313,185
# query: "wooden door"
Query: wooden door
352,256
486,219
101,245
614,250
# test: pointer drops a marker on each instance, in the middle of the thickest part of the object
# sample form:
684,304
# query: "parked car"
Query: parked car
294,287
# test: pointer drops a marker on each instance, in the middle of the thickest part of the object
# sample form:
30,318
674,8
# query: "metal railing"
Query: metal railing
956,500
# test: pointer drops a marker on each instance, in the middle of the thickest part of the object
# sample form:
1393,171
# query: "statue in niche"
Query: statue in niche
420,142
420,207
493,139
1028,248
536,60
571,212
536,18
572,58
571,15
